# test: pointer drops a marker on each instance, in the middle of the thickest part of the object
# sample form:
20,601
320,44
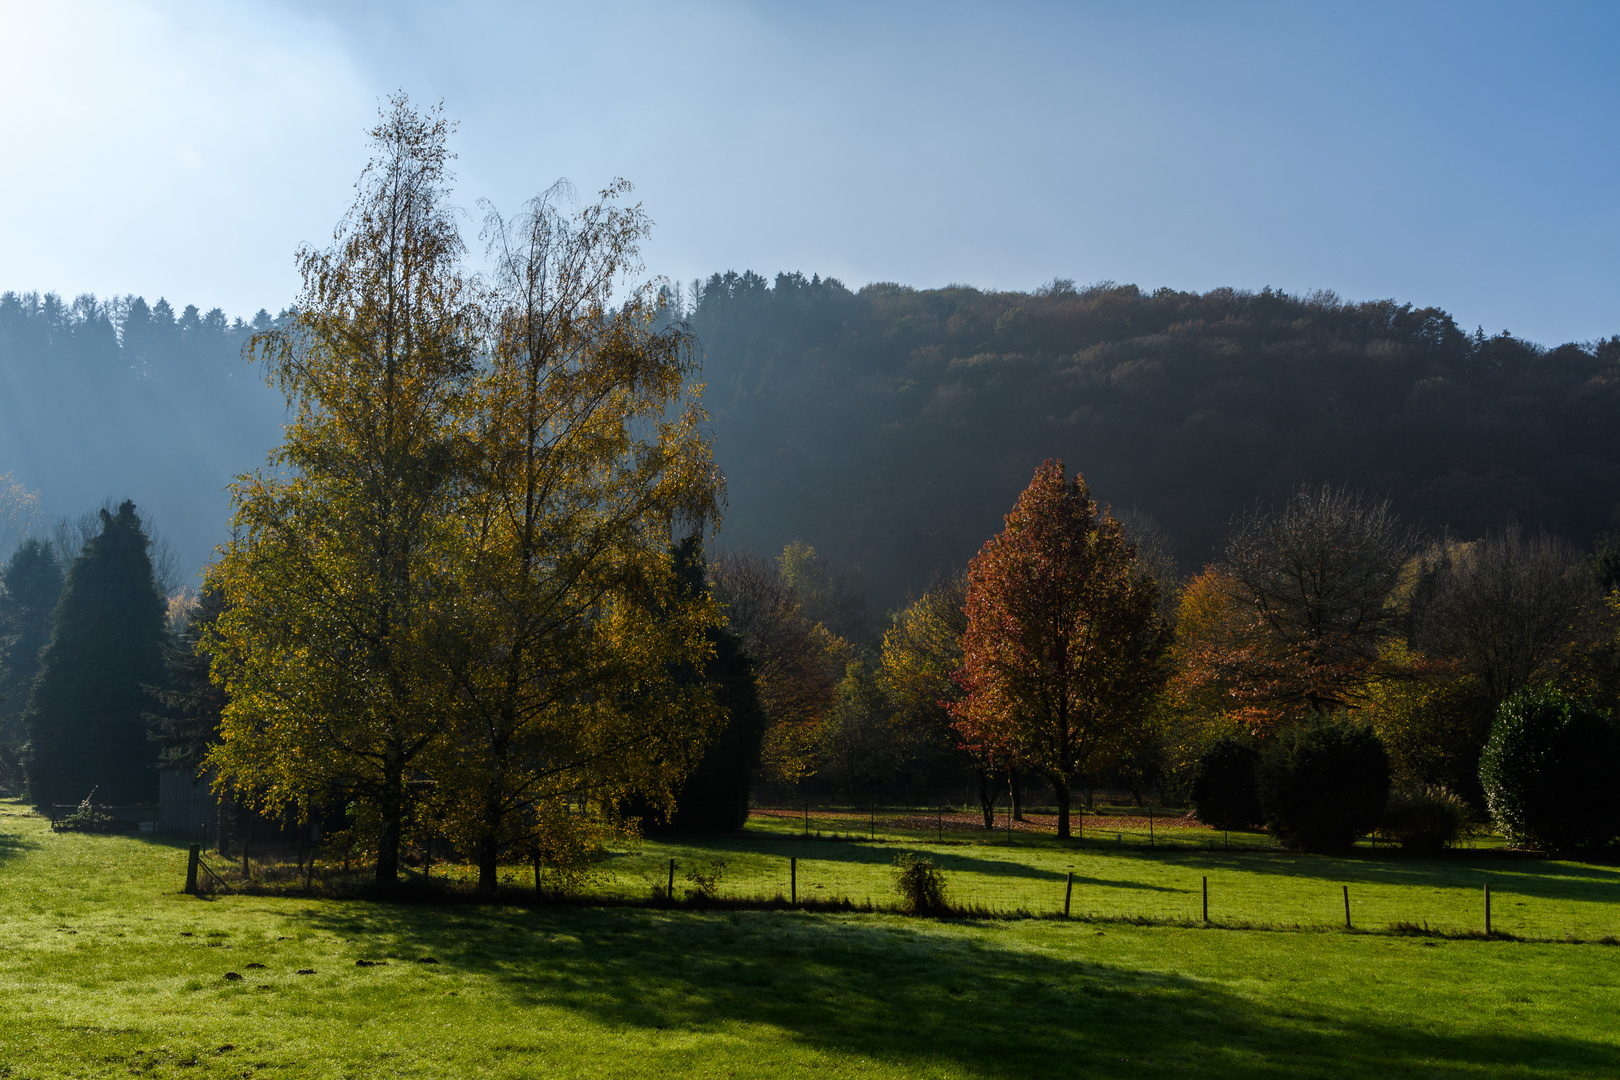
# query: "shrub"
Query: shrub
1323,785
705,880
1434,733
1548,772
1223,784
920,883
92,818
1424,820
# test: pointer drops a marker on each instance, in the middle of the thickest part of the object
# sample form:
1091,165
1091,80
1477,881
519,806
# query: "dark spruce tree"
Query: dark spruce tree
85,718
714,797
186,723
30,584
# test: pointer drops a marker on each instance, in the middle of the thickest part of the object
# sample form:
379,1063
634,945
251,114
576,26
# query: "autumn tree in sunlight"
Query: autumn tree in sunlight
1296,619
453,600
585,458
797,662
1064,646
922,651
340,578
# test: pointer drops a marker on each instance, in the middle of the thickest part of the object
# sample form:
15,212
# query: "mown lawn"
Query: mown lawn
107,970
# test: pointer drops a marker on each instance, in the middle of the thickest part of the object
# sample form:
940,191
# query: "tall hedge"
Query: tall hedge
1549,772
1324,784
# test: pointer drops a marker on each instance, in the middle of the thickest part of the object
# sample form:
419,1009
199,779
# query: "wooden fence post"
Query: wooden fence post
1347,907
194,856
1068,891
537,873
670,892
1206,899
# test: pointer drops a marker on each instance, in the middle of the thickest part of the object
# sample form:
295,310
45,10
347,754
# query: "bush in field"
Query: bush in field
705,880
920,883
1424,820
1549,770
1223,784
1324,784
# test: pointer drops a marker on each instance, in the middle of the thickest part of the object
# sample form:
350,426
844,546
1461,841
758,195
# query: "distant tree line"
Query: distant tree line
891,427
120,395
1333,671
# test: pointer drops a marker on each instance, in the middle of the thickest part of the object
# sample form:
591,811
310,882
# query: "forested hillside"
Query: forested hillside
122,399
893,427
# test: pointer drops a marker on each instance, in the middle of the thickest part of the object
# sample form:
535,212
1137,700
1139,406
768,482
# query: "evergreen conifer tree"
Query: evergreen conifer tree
714,795
188,722
85,719
30,584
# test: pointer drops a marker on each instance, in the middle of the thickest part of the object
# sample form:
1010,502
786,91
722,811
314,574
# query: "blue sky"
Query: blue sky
1462,155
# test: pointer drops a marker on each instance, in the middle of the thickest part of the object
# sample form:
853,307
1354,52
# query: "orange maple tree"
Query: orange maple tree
1064,647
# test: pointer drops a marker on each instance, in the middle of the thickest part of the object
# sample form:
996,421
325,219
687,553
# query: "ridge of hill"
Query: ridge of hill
120,399
893,427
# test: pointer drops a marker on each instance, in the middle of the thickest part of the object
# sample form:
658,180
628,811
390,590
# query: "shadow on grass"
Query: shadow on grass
12,846
882,853
914,997
1543,880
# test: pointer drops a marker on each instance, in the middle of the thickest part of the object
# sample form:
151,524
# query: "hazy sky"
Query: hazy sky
1465,155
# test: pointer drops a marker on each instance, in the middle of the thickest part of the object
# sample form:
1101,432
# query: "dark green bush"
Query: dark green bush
1323,785
1223,785
920,883
1548,771
1424,820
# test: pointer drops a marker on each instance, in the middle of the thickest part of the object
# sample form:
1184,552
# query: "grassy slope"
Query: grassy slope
628,992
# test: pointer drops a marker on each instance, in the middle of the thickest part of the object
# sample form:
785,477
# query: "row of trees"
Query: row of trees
1070,652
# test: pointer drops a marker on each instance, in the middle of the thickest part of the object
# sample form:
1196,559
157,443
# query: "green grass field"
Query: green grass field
106,969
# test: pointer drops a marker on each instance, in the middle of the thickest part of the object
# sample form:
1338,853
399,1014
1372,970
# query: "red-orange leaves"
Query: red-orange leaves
1063,647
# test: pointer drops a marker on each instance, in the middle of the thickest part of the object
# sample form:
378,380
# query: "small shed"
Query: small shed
187,805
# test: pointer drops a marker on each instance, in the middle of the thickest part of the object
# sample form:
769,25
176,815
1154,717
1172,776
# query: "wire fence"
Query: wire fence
1167,872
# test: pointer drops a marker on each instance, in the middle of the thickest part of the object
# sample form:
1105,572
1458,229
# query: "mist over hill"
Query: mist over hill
892,427
121,399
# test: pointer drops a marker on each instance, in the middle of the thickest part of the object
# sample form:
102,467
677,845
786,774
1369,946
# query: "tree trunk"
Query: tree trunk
1060,794
489,846
1016,793
988,792
392,808
489,851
